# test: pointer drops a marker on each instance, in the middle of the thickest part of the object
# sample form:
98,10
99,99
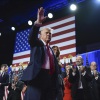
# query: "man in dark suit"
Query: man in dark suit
94,85
79,79
15,89
4,80
41,75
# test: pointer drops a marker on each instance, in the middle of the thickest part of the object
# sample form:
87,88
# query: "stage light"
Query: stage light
73,7
13,28
50,15
0,34
98,0
30,22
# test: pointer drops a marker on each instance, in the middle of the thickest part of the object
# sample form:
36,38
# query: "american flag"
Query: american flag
63,36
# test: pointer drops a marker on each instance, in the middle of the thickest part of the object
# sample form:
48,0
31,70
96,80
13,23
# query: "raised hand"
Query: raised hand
40,15
95,73
82,69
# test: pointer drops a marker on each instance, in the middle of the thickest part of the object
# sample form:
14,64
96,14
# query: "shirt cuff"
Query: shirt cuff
96,77
73,73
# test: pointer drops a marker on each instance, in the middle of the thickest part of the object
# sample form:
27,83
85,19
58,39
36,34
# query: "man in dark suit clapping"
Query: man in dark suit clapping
4,80
95,82
79,78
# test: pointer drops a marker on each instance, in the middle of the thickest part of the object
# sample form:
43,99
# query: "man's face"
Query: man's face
45,35
16,78
68,68
93,66
79,60
3,68
6,68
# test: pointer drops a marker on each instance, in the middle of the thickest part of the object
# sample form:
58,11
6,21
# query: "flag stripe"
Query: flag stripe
68,51
64,32
65,43
21,53
21,59
67,46
28,55
23,56
63,28
70,42
58,22
62,40
65,35
64,24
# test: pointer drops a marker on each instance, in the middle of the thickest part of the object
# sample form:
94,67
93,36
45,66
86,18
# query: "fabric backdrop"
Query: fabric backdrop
92,56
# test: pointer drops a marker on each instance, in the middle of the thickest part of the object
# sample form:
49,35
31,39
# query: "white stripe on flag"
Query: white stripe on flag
63,36
65,43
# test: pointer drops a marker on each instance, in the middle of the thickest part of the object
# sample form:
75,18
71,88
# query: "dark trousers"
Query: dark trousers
94,94
82,95
43,87
1,97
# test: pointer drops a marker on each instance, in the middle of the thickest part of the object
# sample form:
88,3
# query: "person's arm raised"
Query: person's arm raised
40,16
37,24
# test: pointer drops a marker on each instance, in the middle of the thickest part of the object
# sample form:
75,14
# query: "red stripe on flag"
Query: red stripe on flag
62,40
63,32
57,20
20,57
65,24
67,47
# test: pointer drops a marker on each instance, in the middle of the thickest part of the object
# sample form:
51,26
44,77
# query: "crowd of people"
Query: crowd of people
76,83
10,84
45,77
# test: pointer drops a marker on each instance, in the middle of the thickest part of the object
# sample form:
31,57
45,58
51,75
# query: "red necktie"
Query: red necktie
51,60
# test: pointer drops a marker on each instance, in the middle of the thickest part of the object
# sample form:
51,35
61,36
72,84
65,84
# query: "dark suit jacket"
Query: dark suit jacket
74,80
4,82
37,57
15,94
94,87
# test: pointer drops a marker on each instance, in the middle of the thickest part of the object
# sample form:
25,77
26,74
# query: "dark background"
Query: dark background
17,13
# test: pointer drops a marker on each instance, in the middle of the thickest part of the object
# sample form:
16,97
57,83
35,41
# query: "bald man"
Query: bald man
79,78
95,83
41,74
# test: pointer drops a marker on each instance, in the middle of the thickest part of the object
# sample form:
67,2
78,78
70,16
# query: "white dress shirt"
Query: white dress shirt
2,73
80,86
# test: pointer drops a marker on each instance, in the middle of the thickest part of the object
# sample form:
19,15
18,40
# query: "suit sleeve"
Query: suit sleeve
20,86
88,76
6,83
33,36
72,77
9,87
